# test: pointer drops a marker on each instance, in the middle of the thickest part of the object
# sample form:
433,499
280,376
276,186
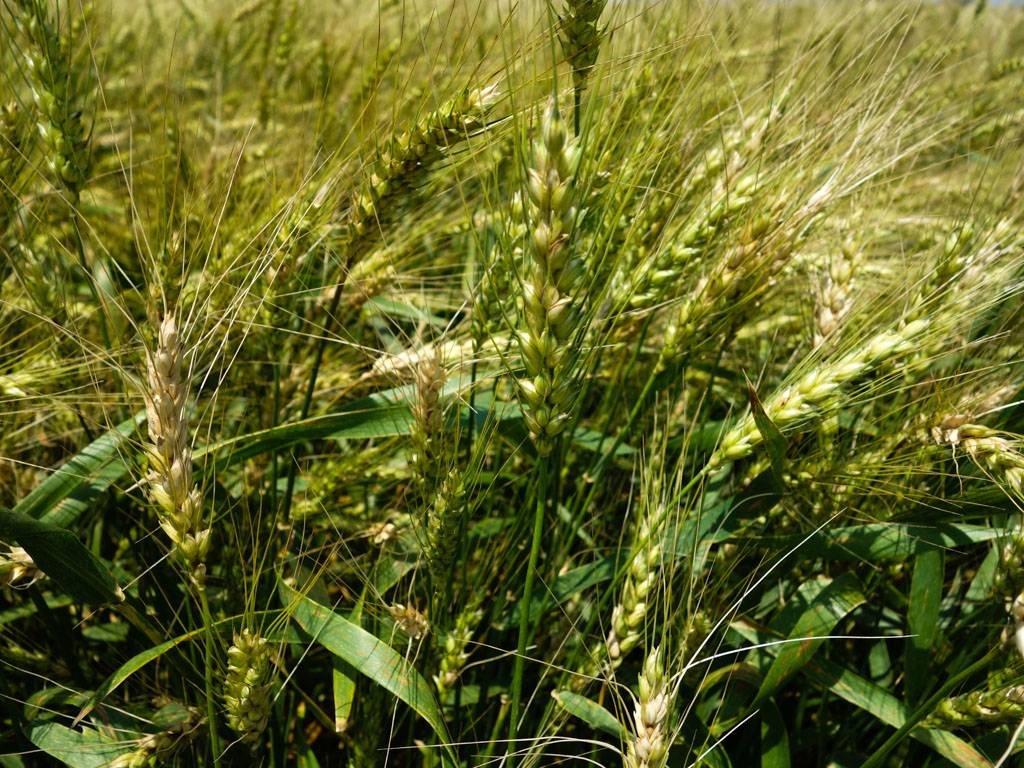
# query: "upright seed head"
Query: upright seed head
48,64
551,287
649,746
427,428
12,160
443,516
629,616
835,292
453,651
580,37
171,487
247,686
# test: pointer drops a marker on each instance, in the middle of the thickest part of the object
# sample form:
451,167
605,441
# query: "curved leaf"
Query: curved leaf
774,441
878,702
77,749
62,557
368,655
774,738
590,712
139,660
881,541
69,491
826,609
923,622
367,418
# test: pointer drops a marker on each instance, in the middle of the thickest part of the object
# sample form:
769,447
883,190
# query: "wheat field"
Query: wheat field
485,383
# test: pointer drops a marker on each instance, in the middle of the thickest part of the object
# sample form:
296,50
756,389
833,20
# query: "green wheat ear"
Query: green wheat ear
247,685
47,60
580,37
648,747
551,286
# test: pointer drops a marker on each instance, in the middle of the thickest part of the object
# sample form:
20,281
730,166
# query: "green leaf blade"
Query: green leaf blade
369,655
62,557
826,609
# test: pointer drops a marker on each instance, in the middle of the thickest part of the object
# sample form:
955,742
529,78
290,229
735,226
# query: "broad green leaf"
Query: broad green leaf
107,633
62,557
382,414
876,542
578,579
981,584
590,712
827,608
788,615
392,308
774,738
368,418
595,441
923,621
877,702
566,585
880,667
170,716
890,710
74,487
343,680
343,683
77,749
387,572
69,491
130,667
139,660
29,609
367,654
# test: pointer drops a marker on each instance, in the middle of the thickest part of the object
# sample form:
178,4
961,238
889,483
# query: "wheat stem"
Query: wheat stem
526,601
211,696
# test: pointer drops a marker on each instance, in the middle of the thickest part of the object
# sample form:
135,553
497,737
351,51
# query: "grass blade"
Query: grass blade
369,656
827,608
62,557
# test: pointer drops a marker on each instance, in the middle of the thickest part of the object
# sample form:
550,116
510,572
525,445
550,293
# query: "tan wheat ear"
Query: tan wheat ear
178,501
